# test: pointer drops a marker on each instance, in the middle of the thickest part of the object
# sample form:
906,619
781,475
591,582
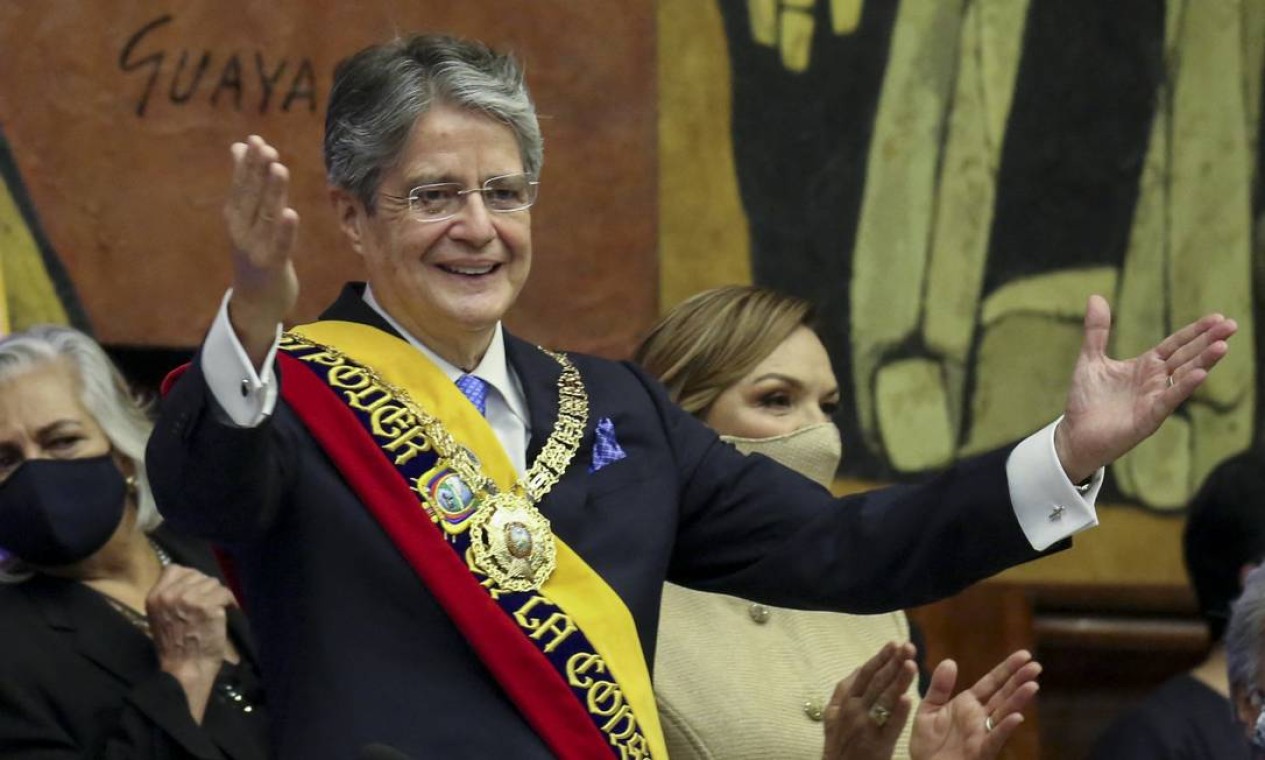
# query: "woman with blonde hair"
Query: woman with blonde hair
739,679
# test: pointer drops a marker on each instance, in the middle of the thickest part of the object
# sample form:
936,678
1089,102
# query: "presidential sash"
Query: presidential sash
567,651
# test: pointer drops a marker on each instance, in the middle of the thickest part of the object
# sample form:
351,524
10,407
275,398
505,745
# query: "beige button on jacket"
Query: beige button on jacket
730,687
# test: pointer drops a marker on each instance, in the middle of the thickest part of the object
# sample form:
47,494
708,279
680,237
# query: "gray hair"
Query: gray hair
102,391
1246,634
380,92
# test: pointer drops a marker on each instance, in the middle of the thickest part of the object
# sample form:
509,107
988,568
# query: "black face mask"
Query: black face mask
60,511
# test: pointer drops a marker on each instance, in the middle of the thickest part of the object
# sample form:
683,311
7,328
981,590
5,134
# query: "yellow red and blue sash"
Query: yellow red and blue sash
568,654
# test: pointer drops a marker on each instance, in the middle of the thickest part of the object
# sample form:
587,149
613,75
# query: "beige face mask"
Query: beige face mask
813,451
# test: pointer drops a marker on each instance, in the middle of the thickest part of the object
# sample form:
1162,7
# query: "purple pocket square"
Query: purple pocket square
606,449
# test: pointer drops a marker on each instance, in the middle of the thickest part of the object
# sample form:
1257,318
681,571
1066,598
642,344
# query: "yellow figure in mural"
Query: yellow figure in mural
4,305
1191,244
922,261
788,26
30,294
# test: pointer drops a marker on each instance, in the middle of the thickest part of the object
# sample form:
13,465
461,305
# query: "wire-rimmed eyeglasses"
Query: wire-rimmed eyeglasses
443,200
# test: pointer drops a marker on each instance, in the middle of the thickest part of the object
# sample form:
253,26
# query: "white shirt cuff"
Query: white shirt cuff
246,396
1048,506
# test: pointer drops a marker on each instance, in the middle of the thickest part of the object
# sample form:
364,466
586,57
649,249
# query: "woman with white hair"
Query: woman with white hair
1244,645
118,639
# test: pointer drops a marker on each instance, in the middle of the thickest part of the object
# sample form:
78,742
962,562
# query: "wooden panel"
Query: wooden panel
1102,648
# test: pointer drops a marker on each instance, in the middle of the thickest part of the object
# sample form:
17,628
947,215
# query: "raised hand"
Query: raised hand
189,623
262,229
1113,405
975,724
869,707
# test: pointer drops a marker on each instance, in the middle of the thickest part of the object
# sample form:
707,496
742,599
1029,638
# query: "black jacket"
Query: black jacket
77,680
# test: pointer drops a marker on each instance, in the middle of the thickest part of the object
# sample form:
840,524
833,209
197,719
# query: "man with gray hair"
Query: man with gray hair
1244,642
452,542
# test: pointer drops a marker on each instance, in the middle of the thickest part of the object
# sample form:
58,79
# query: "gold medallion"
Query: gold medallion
511,542
510,539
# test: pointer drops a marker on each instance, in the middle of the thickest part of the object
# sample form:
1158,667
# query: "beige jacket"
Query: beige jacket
738,680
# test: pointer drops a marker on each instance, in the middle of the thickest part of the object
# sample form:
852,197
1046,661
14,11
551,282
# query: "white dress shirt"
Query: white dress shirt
1047,505
506,405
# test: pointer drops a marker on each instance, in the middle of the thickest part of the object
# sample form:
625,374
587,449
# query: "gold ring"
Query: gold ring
879,714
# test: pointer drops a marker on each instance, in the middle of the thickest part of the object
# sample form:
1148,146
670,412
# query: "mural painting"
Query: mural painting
119,121
34,288
949,181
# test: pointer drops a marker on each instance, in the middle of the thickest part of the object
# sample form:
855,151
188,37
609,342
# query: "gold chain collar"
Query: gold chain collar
511,541
554,457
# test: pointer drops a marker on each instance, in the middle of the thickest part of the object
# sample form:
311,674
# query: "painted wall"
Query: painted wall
949,181
119,117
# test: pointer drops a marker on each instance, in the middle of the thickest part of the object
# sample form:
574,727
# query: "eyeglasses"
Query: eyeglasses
444,200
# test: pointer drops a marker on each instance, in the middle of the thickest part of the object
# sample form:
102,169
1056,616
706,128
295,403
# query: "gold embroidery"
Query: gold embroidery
348,376
389,420
604,698
511,541
558,623
359,400
509,559
506,537
413,441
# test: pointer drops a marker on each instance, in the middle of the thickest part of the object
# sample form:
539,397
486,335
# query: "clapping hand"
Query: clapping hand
869,707
975,724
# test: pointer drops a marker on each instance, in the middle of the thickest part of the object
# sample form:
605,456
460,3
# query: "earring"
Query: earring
130,482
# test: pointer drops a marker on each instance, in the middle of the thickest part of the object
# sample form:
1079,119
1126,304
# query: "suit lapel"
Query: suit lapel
97,631
351,307
103,635
538,374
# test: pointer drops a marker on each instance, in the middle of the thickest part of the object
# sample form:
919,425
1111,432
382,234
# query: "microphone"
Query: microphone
377,751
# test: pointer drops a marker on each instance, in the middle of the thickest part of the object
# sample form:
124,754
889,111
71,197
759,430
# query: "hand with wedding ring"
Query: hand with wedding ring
1113,405
188,619
975,724
869,708
262,229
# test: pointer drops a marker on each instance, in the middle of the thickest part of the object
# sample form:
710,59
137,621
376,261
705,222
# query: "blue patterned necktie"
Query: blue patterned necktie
475,389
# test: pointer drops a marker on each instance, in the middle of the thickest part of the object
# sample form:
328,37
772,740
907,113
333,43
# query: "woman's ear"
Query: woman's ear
128,468
125,464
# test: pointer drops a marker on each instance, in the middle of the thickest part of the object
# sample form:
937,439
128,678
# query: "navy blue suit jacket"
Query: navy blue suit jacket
355,650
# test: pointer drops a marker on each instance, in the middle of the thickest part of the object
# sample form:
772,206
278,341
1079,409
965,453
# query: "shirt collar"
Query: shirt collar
493,369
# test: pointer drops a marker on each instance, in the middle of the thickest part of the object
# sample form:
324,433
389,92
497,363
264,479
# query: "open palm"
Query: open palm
1113,405
975,724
